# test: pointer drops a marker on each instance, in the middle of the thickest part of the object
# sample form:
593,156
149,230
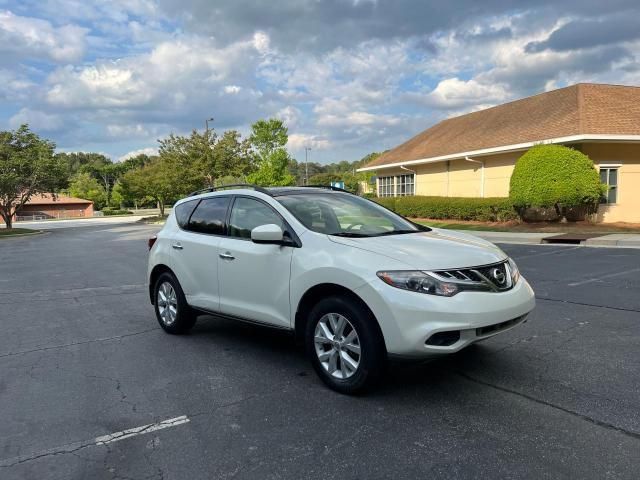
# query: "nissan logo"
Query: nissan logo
498,275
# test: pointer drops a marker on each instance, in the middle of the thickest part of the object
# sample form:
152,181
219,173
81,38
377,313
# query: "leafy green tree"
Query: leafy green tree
324,178
27,167
194,153
268,138
83,185
164,179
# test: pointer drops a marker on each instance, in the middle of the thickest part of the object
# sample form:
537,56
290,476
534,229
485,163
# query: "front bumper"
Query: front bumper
409,320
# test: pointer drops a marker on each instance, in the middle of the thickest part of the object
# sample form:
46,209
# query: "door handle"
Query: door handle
177,246
227,256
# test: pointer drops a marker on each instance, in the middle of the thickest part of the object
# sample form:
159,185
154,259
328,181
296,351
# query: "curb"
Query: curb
37,232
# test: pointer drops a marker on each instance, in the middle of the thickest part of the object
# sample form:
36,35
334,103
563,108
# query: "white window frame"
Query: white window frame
616,187
386,186
405,185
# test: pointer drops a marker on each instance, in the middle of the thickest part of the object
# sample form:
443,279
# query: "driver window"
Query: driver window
248,214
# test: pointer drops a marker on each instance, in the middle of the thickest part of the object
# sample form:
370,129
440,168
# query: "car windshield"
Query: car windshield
346,215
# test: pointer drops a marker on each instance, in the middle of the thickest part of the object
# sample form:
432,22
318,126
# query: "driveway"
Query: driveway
90,387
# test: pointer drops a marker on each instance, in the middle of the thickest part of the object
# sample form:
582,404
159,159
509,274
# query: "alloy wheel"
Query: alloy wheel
337,345
167,302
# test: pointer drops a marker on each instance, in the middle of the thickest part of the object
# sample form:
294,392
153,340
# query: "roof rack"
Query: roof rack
233,185
328,187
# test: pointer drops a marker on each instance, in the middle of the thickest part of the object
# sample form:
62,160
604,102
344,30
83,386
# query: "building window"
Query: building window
385,187
609,176
405,185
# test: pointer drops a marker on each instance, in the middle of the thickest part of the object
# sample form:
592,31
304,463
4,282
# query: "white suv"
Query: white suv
354,281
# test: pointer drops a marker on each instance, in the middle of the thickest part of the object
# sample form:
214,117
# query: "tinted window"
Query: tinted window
248,214
183,211
209,216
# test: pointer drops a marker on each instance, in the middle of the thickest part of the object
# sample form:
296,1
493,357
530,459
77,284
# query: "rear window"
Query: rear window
209,216
183,212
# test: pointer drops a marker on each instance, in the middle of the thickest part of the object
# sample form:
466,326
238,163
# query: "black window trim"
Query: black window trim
226,217
287,227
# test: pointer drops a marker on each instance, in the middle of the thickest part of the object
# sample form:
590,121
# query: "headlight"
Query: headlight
515,273
417,281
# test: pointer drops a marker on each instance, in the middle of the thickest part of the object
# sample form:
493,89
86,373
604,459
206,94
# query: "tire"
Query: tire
180,318
336,319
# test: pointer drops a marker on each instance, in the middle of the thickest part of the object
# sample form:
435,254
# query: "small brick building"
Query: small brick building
46,206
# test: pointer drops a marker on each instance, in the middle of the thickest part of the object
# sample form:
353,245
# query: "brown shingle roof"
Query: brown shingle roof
47,199
579,109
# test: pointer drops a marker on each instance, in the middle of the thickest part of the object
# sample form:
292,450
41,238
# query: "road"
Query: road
83,362
77,222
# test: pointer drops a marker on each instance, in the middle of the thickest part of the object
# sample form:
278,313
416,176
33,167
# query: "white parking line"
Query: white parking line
133,432
591,280
103,440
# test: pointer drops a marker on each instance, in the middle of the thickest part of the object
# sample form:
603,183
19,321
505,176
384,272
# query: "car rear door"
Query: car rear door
196,246
254,278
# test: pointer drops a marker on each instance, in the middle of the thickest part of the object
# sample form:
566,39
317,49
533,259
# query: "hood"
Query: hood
434,250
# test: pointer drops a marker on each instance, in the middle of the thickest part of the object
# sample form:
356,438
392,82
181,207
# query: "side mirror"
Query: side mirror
270,233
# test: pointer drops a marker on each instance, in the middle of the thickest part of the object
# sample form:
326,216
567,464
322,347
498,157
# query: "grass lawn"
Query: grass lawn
577,227
4,232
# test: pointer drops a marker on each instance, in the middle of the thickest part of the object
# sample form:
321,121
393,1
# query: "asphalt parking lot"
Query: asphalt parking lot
82,359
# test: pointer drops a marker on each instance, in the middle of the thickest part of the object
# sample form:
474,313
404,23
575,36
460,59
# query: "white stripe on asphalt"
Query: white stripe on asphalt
103,440
591,280
133,432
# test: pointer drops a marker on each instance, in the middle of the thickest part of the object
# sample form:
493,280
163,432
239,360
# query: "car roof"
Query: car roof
278,191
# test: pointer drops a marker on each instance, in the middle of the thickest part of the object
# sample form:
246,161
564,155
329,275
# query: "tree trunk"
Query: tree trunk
161,206
7,217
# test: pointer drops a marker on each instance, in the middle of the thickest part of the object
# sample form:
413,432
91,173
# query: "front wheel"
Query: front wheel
172,311
345,345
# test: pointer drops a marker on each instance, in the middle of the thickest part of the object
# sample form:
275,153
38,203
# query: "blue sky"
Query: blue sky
348,76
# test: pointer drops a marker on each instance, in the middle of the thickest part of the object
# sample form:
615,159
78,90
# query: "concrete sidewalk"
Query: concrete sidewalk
626,240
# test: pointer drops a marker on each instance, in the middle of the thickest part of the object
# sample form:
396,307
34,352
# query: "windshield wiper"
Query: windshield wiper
396,232
350,235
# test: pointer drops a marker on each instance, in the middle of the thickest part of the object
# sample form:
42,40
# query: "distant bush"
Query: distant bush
114,211
554,177
452,208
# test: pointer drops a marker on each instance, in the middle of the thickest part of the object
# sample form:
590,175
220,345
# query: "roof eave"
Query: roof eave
507,148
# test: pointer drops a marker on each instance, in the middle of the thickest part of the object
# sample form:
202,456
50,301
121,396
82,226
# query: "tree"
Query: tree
268,138
163,179
27,168
83,185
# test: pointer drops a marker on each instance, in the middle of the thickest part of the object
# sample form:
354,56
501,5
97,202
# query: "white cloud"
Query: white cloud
454,93
37,120
150,151
298,141
232,89
27,37
174,75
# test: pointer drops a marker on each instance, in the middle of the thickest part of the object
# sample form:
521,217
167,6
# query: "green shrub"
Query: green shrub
554,176
452,208
114,211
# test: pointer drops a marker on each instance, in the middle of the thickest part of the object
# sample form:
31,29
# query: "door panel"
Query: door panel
196,252
254,278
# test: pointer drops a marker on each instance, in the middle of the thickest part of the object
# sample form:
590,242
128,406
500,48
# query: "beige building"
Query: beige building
473,155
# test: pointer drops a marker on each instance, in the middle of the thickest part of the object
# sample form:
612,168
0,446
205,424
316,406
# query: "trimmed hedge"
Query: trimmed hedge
554,175
496,209
113,211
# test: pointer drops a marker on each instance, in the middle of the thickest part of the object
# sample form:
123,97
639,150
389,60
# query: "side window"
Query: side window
609,176
183,212
248,214
209,216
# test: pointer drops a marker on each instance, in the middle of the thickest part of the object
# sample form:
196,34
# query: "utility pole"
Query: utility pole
206,124
306,165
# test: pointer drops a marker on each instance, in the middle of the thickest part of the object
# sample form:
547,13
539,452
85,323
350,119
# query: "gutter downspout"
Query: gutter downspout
481,173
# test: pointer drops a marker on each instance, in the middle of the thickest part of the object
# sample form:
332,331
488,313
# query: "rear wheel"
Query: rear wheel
345,345
172,311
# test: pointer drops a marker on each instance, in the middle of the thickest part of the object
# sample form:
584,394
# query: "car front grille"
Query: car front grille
497,276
